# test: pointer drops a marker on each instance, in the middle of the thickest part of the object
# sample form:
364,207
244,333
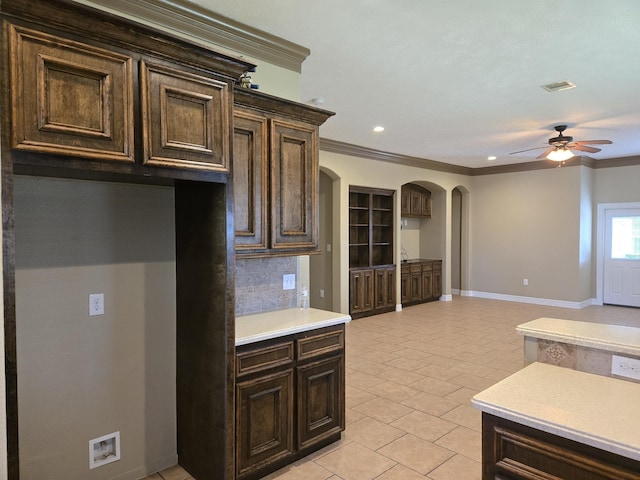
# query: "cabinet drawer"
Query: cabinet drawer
404,269
427,266
437,265
264,358
416,267
320,344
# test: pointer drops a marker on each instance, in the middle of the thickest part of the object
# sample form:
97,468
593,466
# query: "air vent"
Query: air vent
557,86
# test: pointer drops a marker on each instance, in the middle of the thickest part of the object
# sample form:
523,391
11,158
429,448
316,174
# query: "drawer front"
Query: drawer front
437,265
416,267
320,344
515,451
404,269
264,358
427,266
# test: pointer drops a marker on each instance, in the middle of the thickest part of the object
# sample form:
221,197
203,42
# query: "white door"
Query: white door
622,257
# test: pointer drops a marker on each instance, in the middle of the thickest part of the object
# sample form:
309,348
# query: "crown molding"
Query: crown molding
618,162
335,146
201,25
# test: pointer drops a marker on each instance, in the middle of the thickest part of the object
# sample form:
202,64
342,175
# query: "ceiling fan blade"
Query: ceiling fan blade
545,153
527,150
585,148
594,142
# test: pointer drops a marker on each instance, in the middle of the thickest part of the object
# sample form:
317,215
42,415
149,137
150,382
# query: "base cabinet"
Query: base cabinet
420,281
265,413
511,451
290,399
372,290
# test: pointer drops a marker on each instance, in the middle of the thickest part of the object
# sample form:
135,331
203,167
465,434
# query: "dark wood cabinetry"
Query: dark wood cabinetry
361,295
415,201
185,118
372,283
517,452
70,98
78,101
91,95
420,281
289,399
276,175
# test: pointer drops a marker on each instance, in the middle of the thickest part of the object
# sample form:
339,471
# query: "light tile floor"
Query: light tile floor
410,377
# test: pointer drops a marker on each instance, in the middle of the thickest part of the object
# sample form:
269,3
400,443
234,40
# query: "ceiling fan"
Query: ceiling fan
561,146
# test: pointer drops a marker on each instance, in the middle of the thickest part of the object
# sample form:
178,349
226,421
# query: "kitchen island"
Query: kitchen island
290,387
547,421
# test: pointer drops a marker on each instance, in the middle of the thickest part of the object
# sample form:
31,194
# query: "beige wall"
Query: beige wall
537,225
617,185
80,376
347,171
527,225
321,266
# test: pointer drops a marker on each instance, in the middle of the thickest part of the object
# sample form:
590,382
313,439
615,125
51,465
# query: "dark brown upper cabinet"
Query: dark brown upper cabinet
125,104
70,98
415,201
184,119
276,175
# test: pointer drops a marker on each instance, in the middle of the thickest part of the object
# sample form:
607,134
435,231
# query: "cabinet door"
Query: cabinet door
405,202
427,284
425,205
68,98
294,185
264,415
185,119
384,287
405,288
416,286
437,280
416,203
360,291
320,400
250,158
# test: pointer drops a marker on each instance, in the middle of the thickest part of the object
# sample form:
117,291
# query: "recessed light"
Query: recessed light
378,129
491,157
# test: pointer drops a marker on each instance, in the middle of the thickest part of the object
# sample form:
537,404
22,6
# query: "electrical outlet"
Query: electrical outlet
525,281
625,367
321,293
289,281
96,304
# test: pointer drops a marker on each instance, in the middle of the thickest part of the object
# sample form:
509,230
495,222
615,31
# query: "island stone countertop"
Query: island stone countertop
267,325
591,409
612,338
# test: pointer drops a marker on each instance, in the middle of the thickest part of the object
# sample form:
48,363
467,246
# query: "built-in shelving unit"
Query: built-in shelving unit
371,265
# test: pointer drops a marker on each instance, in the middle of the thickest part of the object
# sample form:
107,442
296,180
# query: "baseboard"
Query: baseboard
534,300
398,307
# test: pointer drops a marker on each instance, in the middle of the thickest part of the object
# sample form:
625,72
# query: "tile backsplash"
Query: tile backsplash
259,284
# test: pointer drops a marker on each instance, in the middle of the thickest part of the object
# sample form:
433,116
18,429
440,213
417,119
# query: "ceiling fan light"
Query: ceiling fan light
560,155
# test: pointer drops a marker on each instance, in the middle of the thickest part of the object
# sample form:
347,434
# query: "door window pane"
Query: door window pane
625,238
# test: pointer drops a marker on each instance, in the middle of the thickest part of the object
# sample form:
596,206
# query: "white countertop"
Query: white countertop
592,409
613,338
278,323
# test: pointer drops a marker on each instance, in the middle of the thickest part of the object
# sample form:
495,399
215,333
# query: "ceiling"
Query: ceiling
456,81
